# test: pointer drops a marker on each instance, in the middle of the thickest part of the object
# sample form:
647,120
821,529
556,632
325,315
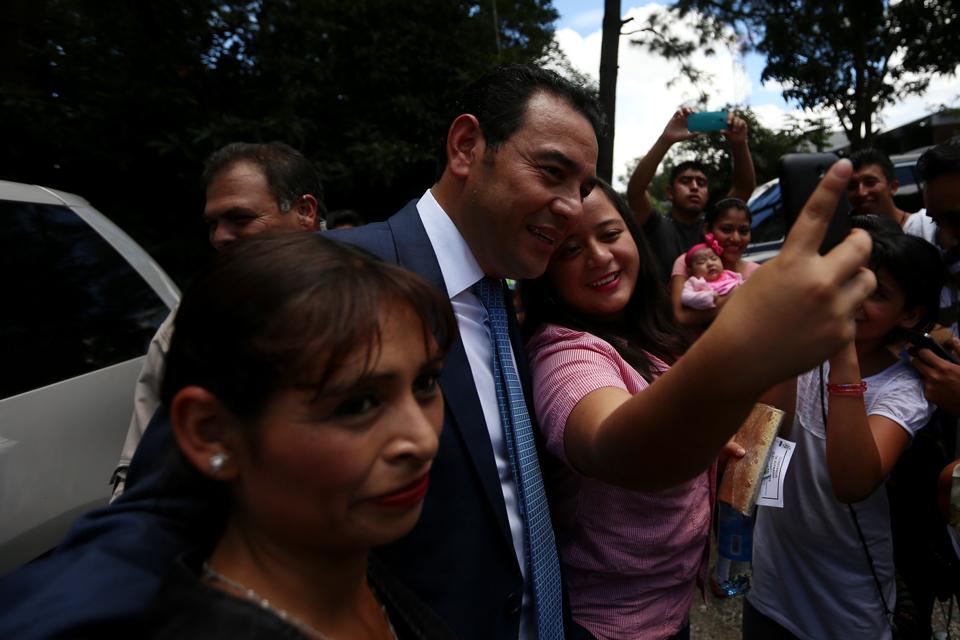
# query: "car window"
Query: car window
904,175
71,303
768,219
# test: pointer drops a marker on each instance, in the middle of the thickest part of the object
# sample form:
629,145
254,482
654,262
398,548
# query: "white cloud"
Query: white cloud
645,101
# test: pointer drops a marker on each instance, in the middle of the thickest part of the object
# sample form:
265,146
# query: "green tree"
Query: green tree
121,103
852,58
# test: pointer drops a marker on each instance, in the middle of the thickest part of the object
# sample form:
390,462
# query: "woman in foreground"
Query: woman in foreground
302,377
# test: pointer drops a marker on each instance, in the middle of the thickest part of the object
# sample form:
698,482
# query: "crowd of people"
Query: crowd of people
348,434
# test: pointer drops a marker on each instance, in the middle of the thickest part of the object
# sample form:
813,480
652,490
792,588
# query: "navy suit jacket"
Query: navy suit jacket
459,558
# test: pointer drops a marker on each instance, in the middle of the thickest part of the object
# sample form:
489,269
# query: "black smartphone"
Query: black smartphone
926,341
800,173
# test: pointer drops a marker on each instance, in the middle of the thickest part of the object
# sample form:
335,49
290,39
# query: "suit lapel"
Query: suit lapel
415,252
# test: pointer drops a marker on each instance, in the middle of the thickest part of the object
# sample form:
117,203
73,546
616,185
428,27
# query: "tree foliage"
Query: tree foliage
121,102
851,57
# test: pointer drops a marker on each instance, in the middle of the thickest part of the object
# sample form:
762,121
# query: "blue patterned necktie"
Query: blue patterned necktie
540,547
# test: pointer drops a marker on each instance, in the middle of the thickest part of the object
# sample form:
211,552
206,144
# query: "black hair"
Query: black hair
721,207
873,224
342,217
287,310
940,160
869,156
687,164
288,173
913,263
499,99
648,328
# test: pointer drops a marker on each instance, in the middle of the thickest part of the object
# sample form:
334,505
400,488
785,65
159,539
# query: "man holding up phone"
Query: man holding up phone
679,229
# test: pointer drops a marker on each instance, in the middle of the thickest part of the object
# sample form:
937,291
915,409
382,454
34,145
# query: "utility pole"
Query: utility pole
609,52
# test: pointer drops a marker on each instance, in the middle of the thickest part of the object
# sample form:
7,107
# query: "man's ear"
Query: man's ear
206,432
306,211
894,185
465,145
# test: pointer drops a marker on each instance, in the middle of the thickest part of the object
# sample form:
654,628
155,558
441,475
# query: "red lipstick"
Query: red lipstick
407,496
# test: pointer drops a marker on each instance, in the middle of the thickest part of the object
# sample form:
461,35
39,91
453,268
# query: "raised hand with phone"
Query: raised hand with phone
673,232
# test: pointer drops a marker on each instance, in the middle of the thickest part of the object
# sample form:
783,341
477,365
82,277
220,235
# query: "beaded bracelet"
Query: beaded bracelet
848,389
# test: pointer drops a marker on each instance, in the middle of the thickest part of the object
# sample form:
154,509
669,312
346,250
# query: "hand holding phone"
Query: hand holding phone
926,341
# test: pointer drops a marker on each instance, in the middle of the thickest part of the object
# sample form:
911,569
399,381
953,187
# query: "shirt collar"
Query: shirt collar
458,265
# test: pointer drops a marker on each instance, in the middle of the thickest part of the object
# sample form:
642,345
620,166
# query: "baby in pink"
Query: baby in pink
708,280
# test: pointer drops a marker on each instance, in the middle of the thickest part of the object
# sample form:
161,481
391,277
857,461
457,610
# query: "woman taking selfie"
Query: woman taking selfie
636,427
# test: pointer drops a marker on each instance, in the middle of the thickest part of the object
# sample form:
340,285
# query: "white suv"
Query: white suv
81,302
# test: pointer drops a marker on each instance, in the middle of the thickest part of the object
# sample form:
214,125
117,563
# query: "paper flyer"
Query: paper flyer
771,485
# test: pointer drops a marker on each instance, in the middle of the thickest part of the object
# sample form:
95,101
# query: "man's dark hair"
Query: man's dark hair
869,156
499,98
687,164
344,217
940,160
289,174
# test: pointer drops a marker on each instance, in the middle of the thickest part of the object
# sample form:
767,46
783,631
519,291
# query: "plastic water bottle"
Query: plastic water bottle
734,548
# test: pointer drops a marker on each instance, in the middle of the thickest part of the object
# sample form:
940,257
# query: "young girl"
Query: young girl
729,223
632,502
823,564
708,279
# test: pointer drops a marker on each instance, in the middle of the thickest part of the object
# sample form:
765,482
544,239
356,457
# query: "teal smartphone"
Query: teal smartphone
705,121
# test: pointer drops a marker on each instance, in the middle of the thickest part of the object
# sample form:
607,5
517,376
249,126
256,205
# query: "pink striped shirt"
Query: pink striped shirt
631,559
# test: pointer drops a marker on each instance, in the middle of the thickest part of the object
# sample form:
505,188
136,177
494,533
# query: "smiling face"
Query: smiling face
706,264
869,192
884,310
240,205
346,466
524,196
732,231
595,270
689,192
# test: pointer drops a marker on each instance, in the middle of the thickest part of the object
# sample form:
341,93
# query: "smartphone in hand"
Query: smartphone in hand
800,173
706,121
925,341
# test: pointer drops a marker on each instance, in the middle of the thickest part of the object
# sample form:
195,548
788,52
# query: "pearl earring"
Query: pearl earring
217,461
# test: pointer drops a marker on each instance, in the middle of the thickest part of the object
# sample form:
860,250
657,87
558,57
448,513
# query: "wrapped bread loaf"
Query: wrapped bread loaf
741,479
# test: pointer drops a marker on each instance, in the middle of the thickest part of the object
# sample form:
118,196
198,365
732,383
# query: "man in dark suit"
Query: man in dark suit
518,162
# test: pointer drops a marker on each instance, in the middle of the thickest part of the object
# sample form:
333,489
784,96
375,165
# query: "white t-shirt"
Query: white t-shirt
810,570
921,225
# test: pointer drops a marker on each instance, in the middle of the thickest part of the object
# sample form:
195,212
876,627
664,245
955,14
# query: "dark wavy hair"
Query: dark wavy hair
499,98
287,310
648,327
720,207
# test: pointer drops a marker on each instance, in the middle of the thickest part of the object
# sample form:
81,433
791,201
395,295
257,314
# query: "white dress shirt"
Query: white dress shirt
460,272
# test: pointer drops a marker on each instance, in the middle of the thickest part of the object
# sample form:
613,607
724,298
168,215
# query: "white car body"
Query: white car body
60,442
